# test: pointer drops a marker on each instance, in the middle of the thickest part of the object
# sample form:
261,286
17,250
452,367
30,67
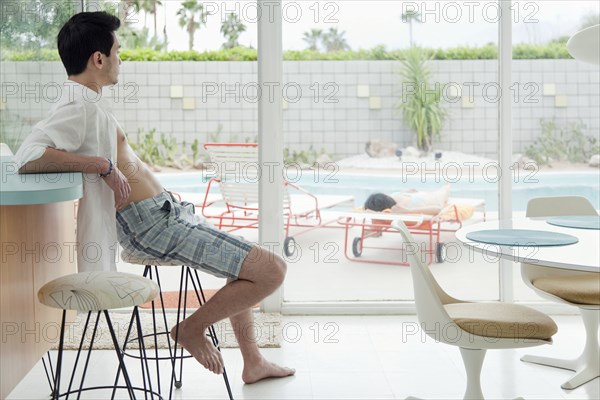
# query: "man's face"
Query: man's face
113,63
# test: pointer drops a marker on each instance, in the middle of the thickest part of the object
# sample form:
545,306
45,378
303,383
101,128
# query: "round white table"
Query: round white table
581,256
584,45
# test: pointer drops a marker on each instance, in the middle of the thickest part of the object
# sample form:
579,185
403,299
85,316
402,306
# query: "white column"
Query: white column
270,134
505,139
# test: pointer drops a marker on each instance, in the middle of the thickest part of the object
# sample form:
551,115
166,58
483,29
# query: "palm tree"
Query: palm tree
231,28
140,5
165,36
129,35
409,17
334,40
132,38
313,38
423,110
148,7
122,9
191,16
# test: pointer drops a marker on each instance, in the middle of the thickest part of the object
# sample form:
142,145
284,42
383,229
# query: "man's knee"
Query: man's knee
278,268
274,269
264,266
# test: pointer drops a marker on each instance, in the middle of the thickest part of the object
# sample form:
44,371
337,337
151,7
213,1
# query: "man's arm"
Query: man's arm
54,160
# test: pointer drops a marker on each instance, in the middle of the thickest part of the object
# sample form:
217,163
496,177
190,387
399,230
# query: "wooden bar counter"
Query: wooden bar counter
37,238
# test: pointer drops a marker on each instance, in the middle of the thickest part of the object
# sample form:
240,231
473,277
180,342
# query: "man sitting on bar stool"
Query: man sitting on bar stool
80,135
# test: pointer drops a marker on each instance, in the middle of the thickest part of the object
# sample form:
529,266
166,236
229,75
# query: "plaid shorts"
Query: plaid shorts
161,228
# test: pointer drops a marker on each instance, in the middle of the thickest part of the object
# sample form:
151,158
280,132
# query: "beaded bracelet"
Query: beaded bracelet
110,169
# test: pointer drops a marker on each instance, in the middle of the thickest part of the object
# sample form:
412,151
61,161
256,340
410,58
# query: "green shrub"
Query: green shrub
147,148
560,143
30,55
552,50
487,52
235,54
303,157
163,152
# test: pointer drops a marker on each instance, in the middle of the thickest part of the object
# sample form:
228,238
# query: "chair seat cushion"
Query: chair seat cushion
577,289
95,291
502,320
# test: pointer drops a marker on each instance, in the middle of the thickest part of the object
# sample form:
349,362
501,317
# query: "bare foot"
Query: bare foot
199,347
265,369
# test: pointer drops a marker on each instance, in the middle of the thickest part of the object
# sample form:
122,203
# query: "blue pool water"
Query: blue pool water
525,185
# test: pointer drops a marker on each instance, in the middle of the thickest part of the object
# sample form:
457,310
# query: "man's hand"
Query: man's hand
119,184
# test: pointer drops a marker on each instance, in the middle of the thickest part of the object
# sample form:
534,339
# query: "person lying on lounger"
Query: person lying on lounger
410,201
418,202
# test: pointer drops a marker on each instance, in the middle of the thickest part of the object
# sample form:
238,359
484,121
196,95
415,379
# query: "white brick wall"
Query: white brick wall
142,100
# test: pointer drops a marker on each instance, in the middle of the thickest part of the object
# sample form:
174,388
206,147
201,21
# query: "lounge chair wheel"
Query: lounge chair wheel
440,252
357,247
289,246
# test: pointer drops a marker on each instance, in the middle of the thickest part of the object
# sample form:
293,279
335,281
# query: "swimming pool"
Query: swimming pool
525,185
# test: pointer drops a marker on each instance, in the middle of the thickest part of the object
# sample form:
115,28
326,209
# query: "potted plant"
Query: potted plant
421,103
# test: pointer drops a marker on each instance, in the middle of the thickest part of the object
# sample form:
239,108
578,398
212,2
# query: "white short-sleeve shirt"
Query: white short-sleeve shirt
81,122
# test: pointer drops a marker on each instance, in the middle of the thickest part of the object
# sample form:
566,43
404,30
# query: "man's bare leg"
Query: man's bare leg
262,272
256,367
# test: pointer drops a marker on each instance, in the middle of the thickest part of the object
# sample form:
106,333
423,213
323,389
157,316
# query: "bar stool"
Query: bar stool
188,276
98,292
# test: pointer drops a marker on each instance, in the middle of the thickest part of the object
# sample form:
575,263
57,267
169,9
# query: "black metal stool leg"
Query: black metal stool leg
119,356
183,307
155,336
49,370
172,350
182,292
55,392
87,360
211,329
123,349
135,318
173,357
143,357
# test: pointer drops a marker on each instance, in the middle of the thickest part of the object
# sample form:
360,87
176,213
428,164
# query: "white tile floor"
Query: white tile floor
363,357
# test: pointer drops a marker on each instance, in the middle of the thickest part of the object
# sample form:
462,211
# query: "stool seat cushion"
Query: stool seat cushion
96,291
576,289
502,320
133,259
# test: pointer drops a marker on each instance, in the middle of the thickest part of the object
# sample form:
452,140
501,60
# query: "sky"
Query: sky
370,23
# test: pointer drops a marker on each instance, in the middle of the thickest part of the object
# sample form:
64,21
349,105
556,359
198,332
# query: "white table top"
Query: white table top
581,256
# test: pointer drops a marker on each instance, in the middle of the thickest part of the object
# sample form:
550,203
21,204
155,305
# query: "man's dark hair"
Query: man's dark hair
379,202
83,35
